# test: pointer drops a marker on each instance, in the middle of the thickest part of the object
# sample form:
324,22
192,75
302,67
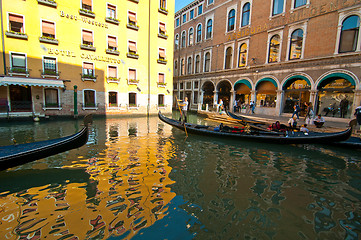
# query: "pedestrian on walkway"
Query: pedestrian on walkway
296,111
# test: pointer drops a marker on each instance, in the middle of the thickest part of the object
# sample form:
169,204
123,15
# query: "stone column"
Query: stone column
279,103
232,98
313,98
356,101
215,97
253,96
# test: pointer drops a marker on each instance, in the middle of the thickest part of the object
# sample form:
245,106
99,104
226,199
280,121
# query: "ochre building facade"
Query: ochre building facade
277,53
86,56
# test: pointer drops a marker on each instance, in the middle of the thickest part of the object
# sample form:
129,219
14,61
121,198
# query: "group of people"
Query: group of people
237,106
309,118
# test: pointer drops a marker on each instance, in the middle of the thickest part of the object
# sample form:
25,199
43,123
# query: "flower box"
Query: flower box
87,13
19,35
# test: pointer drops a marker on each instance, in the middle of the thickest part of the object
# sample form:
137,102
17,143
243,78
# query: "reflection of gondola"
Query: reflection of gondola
264,136
14,155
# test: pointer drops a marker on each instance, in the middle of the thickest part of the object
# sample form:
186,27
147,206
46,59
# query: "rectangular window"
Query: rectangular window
51,97
86,4
48,29
87,37
200,9
162,29
184,17
49,65
112,72
113,99
132,99
132,74
16,23
112,43
210,2
88,69
89,98
195,97
111,11
299,3
18,61
163,4
177,22
191,14
161,100
160,77
162,54
189,85
132,18
132,47
277,7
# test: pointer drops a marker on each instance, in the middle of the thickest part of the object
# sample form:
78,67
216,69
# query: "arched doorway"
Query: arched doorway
335,96
208,93
296,90
266,93
224,92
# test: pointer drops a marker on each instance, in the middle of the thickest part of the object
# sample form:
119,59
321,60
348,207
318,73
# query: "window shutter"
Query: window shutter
87,65
161,78
48,27
15,18
132,74
87,36
112,71
132,47
112,41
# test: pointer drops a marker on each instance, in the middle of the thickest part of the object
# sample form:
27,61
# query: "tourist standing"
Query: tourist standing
309,113
343,107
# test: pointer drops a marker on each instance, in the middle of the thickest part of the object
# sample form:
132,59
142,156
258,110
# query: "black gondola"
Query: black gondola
18,154
288,137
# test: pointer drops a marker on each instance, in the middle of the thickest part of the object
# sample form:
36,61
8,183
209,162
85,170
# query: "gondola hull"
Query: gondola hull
270,137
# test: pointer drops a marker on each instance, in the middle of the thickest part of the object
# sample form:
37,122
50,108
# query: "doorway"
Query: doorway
20,98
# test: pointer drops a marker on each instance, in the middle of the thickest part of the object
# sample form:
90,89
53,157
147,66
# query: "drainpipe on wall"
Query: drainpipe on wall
75,101
2,35
148,107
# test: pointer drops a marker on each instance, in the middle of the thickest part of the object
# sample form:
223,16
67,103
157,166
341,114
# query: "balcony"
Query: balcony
18,71
112,51
133,26
50,74
132,55
112,20
49,40
88,77
161,84
50,3
133,81
18,35
162,35
113,80
87,47
87,13
162,61
163,10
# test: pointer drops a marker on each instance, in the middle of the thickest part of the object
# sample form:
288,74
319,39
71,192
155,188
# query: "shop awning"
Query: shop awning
6,81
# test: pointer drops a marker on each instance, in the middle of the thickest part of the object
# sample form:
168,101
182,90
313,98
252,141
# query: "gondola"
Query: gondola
288,137
18,154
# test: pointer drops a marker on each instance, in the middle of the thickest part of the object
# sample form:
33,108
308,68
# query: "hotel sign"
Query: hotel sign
296,15
83,19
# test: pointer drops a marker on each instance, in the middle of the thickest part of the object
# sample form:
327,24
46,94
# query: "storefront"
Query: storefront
266,94
296,91
243,92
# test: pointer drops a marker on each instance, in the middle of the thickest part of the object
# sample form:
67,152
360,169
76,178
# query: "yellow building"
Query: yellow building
78,57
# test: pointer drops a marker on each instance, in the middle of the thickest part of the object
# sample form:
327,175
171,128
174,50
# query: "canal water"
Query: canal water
138,178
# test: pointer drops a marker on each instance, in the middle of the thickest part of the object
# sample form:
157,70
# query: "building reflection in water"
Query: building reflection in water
127,188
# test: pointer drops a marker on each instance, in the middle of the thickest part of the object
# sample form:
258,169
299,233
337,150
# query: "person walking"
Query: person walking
184,106
296,110
252,106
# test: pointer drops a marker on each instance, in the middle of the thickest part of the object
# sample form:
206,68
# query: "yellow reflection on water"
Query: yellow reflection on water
127,190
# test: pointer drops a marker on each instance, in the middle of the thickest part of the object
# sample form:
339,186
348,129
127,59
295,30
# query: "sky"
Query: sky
181,3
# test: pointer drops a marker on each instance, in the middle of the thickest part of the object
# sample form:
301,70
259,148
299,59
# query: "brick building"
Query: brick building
274,52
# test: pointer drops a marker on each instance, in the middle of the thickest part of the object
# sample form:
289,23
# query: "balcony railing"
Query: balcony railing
50,74
87,13
88,77
113,80
133,81
50,3
19,35
48,40
18,71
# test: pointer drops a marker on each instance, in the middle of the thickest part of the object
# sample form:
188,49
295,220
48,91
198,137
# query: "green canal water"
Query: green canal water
138,178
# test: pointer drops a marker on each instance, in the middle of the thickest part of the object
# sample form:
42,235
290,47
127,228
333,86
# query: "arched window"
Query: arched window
182,67
183,39
349,34
231,20
207,62
196,70
189,65
228,59
199,33
242,58
176,41
274,49
209,29
277,7
190,37
296,44
245,14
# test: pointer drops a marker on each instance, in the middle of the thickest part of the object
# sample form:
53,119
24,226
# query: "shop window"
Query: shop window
228,58
18,63
197,64
190,36
349,34
48,29
111,11
89,99
183,40
49,66
113,99
200,9
112,43
161,100
274,49
295,92
16,23
266,94
132,76
207,62
176,41
299,3
246,11
242,58
88,70
112,74
209,29
51,98
86,5
87,38
231,20
191,14
132,99
182,67
189,65
277,7
296,44
199,33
